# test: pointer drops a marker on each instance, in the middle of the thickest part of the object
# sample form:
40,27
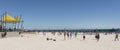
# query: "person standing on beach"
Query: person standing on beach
83,37
44,33
65,33
98,37
70,34
116,37
20,33
53,33
75,34
4,34
60,33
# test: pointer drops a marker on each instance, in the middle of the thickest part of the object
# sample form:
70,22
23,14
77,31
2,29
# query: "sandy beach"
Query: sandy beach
59,24
37,41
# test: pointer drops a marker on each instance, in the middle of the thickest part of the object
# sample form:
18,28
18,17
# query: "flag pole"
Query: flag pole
22,25
5,22
15,25
1,24
19,22
18,26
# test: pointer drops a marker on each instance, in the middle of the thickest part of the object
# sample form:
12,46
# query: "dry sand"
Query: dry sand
38,42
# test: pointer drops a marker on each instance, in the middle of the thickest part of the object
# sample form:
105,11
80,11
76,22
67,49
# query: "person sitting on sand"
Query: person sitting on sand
116,37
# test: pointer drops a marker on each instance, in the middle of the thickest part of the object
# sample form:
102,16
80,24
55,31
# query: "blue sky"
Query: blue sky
59,14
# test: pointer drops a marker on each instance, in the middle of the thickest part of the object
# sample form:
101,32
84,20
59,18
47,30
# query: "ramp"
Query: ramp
12,34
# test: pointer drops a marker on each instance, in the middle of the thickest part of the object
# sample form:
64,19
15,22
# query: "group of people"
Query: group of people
50,39
71,34
68,35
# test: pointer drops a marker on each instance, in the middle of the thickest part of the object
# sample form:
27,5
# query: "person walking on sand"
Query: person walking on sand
116,37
